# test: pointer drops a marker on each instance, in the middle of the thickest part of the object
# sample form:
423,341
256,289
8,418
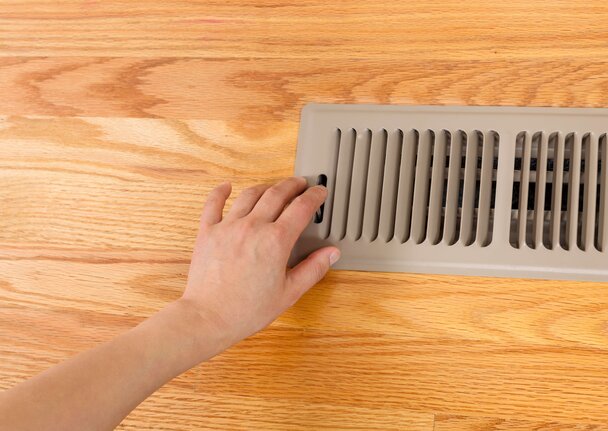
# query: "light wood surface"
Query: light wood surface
118,118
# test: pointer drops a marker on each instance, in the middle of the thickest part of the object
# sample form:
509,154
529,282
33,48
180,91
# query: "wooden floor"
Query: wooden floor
118,117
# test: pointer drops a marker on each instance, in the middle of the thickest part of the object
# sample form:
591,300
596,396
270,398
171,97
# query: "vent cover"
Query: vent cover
518,192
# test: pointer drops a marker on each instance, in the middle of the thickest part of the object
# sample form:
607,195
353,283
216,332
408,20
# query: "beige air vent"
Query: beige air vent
517,192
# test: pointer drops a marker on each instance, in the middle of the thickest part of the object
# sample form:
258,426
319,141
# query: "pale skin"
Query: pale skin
220,306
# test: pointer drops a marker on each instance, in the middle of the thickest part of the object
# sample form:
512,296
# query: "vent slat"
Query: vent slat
558,179
354,224
568,149
467,222
573,191
522,216
436,193
405,193
602,234
421,186
590,192
394,148
485,189
331,187
451,226
339,212
541,180
375,179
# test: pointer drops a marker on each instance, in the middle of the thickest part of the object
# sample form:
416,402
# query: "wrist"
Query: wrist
200,331
178,338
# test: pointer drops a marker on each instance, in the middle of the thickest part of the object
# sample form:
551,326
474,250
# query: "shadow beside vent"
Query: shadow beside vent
500,191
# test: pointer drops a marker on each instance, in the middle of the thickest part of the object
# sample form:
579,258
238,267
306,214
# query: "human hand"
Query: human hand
238,278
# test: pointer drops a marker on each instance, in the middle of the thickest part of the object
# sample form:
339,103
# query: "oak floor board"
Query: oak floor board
424,344
308,29
445,422
247,412
257,98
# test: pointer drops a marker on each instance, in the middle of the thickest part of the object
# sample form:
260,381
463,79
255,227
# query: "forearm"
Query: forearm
98,388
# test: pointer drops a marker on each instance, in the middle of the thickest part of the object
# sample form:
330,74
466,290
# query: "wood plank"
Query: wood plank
221,412
255,97
444,422
470,346
308,29
99,183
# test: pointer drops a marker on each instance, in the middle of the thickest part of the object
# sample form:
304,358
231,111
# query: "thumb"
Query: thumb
311,270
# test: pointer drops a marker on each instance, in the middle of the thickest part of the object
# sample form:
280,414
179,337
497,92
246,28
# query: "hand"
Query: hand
238,277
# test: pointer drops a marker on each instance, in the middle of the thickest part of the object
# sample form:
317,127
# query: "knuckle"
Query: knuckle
301,199
294,181
274,193
305,202
242,232
247,224
213,197
280,231
320,193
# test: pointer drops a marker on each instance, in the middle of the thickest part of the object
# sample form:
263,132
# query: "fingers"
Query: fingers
245,202
299,213
273,201
311,270
214,205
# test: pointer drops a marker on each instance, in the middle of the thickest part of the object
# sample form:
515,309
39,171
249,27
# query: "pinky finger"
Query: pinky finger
311,270
214,205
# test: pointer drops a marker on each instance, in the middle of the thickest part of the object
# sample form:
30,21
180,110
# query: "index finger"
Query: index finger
300,211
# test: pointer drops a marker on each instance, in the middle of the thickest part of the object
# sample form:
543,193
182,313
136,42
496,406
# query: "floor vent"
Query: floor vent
497,191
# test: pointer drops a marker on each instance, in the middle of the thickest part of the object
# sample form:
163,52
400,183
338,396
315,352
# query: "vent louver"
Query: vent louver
413,186
559,191
462,190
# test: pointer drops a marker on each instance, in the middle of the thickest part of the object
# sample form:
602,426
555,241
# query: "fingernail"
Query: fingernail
334,257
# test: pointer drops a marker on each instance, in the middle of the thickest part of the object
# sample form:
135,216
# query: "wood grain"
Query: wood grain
306,29
252,412
462,423
118,117
256,97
